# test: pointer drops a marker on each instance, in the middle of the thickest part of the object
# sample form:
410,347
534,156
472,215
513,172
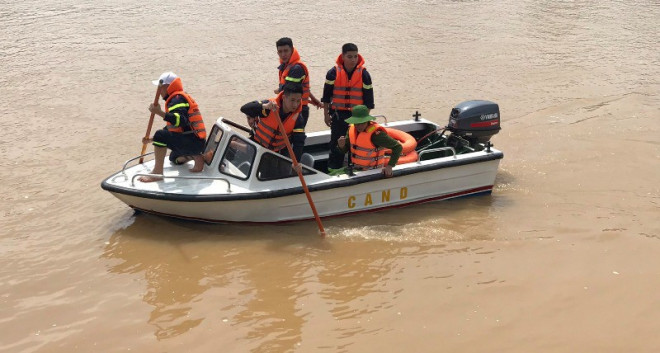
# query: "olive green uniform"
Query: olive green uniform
383,140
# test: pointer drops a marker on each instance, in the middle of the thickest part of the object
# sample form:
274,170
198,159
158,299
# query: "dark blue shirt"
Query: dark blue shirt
296,72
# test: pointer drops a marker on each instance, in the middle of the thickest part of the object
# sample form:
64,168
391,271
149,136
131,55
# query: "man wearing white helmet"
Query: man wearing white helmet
185,133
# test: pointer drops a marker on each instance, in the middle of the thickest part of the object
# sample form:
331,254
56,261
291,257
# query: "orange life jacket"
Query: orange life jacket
194,116
267,132
347,93
295,59
364,154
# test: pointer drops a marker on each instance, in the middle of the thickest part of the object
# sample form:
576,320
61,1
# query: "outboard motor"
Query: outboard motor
473,122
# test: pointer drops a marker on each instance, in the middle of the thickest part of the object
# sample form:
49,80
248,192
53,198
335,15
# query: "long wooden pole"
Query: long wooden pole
151,121
300,175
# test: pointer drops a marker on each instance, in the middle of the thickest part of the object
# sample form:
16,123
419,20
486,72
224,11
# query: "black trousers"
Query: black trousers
338,128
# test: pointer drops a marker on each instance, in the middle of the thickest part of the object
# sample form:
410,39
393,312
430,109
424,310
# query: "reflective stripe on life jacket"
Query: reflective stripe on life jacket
347,93
194,115
267,132
364,154
295,59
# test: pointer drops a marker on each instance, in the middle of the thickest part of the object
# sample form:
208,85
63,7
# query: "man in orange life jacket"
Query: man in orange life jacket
185,133
367,141
266,132
293,69
346,85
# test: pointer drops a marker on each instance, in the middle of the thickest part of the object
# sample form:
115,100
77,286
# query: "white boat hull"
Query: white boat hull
421,187
215,196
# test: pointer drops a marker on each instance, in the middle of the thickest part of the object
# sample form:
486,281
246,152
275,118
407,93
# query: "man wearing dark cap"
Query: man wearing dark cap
347,84
261,117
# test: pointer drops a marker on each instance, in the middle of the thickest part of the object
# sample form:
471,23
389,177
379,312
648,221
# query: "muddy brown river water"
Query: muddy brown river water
564,256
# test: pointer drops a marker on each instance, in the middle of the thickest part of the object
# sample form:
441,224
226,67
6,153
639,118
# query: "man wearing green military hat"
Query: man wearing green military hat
367,141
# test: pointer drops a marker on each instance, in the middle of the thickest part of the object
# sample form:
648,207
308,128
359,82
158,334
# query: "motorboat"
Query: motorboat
243,182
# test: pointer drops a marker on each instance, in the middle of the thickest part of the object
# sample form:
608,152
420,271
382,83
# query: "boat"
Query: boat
242,182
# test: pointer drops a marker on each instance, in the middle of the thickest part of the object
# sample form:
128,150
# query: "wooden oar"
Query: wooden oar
300,175
151,121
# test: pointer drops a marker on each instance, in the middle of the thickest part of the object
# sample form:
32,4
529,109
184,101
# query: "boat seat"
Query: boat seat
245,167
307,159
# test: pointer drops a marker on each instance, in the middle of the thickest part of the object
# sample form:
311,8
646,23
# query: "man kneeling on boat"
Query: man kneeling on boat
367,142
261,116
185,133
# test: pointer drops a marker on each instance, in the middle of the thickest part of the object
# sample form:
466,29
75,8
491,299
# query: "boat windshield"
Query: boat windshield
212,143
238,158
